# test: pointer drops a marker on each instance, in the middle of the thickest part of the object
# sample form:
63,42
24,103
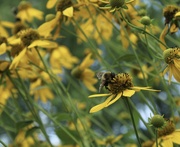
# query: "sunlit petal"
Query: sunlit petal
43,43
68,12
99,95
117,97
128,93
101,106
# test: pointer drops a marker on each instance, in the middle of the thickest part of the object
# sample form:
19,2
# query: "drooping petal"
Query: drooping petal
2,48
128,93
117,97
176,73
101,106
170,74
89,85
68,12
17,59
99,95
43,43
177,63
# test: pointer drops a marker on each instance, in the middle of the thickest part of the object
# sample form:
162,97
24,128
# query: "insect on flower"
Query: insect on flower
105,78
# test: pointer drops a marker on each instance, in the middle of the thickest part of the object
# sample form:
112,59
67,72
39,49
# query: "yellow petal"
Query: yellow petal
99,95
2,48
17,59
86,62
46,28
101,106
50,4
176,137
177,63
162,37
136,88
170,73
176,72
118,96
128,93
68,12
43,43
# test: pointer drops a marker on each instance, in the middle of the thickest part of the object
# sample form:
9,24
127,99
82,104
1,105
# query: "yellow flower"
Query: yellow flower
118,85
63,8
85,74
168,135
26,12
103,29
39,89
109,140
61,56
171,14
29,39
172,58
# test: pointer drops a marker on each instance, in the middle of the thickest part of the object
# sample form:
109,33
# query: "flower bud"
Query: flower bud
157,121
145,20
49,17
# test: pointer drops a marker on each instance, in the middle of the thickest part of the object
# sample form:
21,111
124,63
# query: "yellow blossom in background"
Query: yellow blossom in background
30,39
118,86
172,58
25,12
109,140
84,73
126,33
62,57
145,71
3,26
98,30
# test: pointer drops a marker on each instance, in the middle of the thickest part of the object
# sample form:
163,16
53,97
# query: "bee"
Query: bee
105,78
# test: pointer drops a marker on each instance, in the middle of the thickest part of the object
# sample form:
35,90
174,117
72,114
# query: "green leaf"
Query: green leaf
65,138
31,131
63,116
22,124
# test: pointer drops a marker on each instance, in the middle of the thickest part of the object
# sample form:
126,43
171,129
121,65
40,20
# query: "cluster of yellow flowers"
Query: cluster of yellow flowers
36,60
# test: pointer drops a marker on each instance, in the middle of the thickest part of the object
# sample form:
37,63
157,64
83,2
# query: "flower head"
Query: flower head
171,14
114,5
172,58
168,135
26,12
85,74
119,85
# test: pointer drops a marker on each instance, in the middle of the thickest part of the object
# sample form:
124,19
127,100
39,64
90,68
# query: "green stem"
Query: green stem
3,143
140,29
156,137
126,99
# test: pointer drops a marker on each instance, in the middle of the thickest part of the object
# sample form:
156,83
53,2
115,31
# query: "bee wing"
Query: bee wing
99,75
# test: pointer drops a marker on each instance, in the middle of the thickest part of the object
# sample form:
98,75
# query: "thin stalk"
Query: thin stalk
141,29
156,137
126,99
